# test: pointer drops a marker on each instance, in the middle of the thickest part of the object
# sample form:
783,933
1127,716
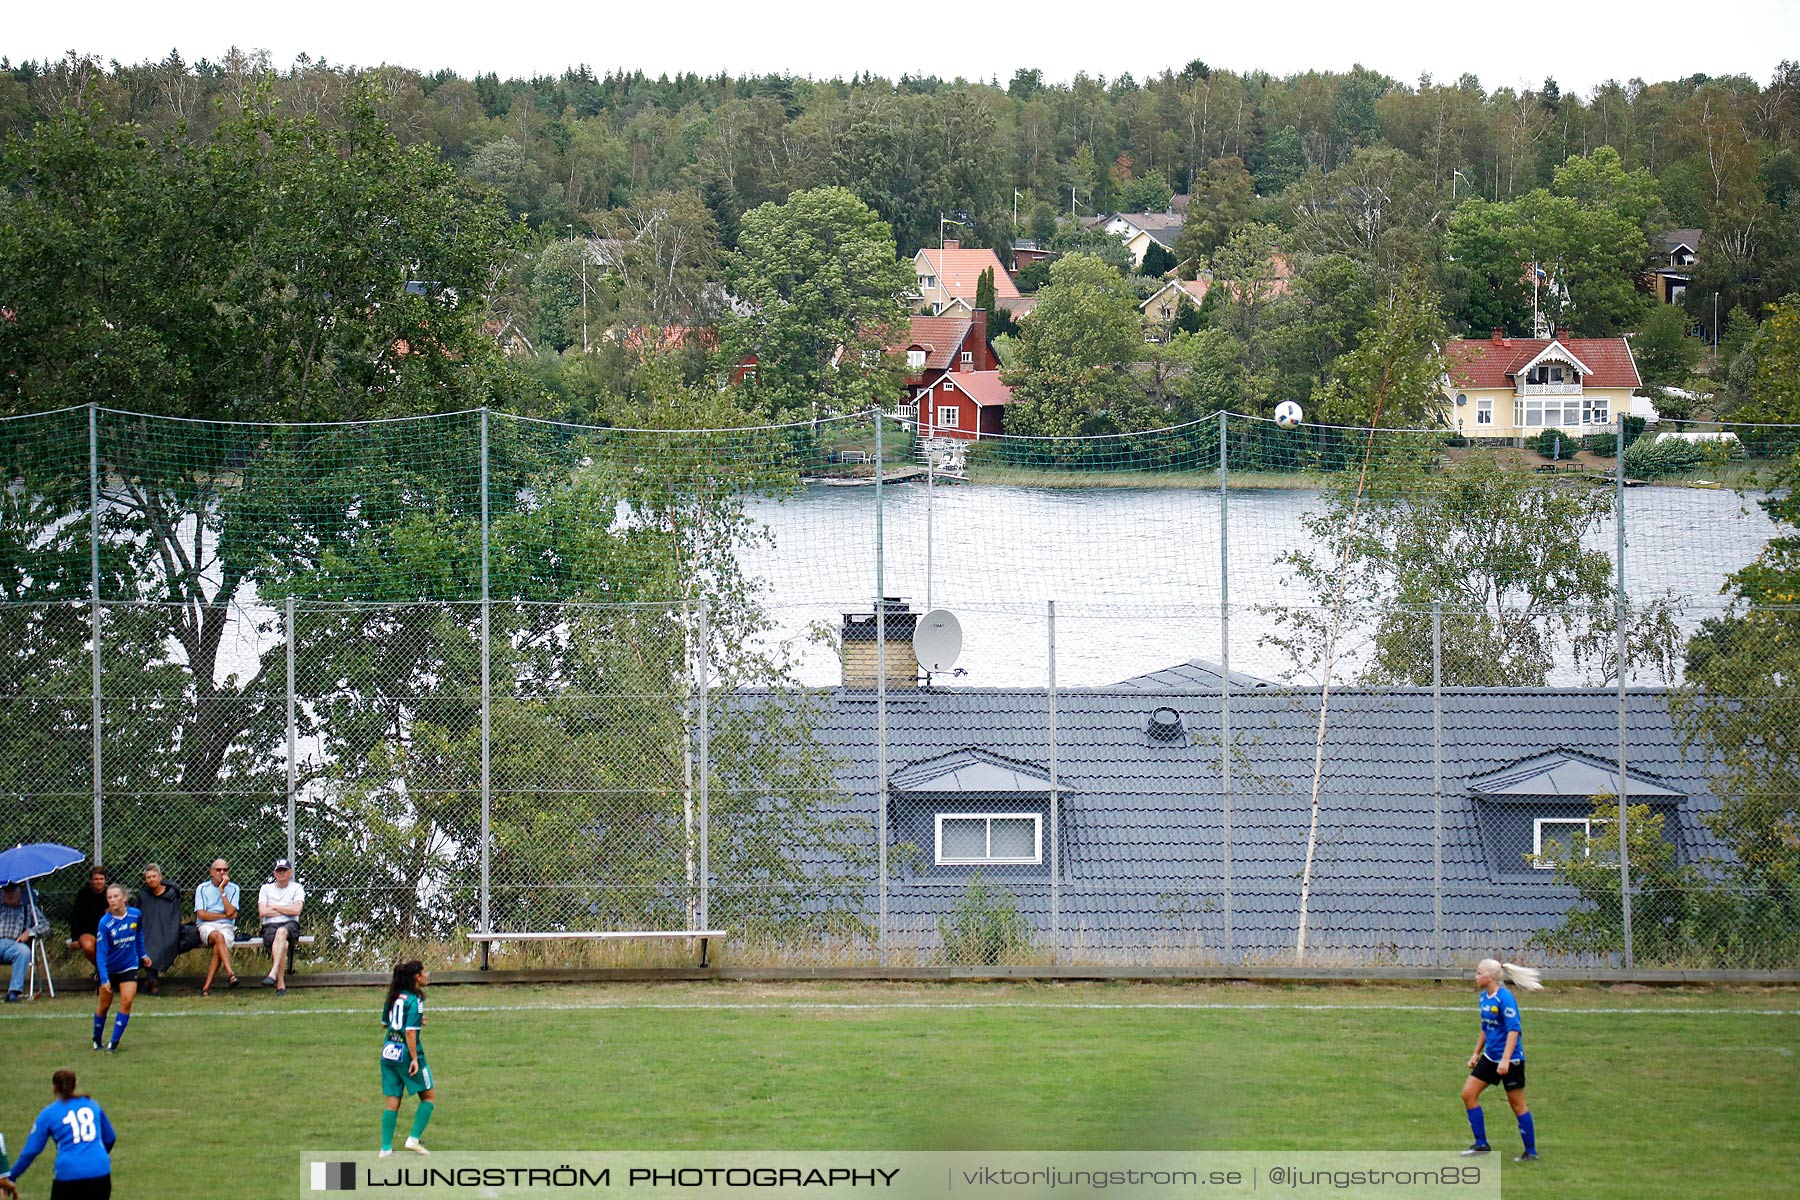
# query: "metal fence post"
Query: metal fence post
881,756
487,701
1225,673
1437,782
1621,613
293,740
1055,807
94,601
705,767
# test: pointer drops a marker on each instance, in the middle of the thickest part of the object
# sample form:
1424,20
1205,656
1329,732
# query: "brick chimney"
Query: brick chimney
952,244
979,316
1499,335
1562,333
860,654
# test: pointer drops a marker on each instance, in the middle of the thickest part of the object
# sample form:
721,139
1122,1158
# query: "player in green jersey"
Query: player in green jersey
403,1065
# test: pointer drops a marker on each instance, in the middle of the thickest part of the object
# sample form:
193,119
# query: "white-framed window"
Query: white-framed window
1541,412
968,360
1484,410
927,282
1561,839
949,416
984,839
1595,410
915,359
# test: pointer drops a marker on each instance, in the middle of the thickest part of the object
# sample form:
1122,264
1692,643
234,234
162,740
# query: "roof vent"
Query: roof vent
1165,724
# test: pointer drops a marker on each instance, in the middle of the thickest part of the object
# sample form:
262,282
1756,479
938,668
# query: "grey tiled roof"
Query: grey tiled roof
1143,820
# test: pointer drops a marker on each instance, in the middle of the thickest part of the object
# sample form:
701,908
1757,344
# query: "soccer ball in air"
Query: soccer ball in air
1287,414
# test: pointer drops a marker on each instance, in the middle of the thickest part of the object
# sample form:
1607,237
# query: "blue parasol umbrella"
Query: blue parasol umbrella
40,858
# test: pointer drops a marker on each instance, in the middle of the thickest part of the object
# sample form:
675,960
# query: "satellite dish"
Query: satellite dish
937,640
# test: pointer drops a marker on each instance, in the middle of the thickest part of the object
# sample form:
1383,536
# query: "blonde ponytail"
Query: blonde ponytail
1529,978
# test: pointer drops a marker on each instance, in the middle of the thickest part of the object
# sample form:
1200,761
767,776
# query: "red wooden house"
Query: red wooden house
953,376
965,404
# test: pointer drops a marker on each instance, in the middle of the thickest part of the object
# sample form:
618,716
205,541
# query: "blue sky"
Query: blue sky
1580,43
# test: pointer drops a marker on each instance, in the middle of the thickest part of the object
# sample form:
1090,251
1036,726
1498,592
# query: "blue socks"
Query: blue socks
1477,1124
99,1025
119,1023
1528,1131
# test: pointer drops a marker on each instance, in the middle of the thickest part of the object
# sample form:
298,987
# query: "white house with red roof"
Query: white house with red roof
948,278
1501,387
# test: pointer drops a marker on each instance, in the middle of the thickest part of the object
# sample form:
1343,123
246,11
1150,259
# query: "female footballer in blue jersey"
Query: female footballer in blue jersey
84,1139
403,1065
1500,1052
119,953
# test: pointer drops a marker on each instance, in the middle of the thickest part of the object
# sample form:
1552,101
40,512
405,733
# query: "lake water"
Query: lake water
1135,571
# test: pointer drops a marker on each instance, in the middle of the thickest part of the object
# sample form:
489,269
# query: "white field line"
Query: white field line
928,1006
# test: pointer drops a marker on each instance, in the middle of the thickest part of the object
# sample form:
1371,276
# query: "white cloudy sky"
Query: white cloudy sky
1579,42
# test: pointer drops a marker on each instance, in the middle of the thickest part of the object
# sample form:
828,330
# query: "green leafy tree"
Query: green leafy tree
1210,378
1665,354
1482,245
1073,351
1737,702
1223,197
1393,379
1095,243
1774,366
1157,263
1145,193
1506,554
315,273
820,279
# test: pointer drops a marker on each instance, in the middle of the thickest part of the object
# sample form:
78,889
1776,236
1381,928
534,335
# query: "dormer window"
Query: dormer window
989,839
915,360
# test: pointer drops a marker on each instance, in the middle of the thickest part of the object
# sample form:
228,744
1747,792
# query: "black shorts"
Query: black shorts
1488,1071
119,977
273,927
82,1189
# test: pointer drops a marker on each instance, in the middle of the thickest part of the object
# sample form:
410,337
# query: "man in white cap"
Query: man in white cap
278,905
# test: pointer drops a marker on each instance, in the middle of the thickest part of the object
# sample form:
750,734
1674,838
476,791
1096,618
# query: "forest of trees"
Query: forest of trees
1359,174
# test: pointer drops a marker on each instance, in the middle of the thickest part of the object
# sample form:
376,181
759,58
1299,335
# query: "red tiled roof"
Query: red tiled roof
984,386
1487,363
939,337
962,270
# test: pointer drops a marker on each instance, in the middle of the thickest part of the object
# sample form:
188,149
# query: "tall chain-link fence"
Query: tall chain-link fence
1226,694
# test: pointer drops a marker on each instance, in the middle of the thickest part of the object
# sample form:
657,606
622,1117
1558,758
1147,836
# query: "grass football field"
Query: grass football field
1661,1093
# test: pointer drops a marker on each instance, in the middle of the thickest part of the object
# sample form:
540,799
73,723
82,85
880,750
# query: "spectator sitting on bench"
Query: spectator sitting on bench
89,907
278,904
165,937
216,909
20,922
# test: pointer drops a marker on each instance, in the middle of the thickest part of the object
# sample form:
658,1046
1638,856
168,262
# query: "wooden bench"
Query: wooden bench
255,939
489,937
